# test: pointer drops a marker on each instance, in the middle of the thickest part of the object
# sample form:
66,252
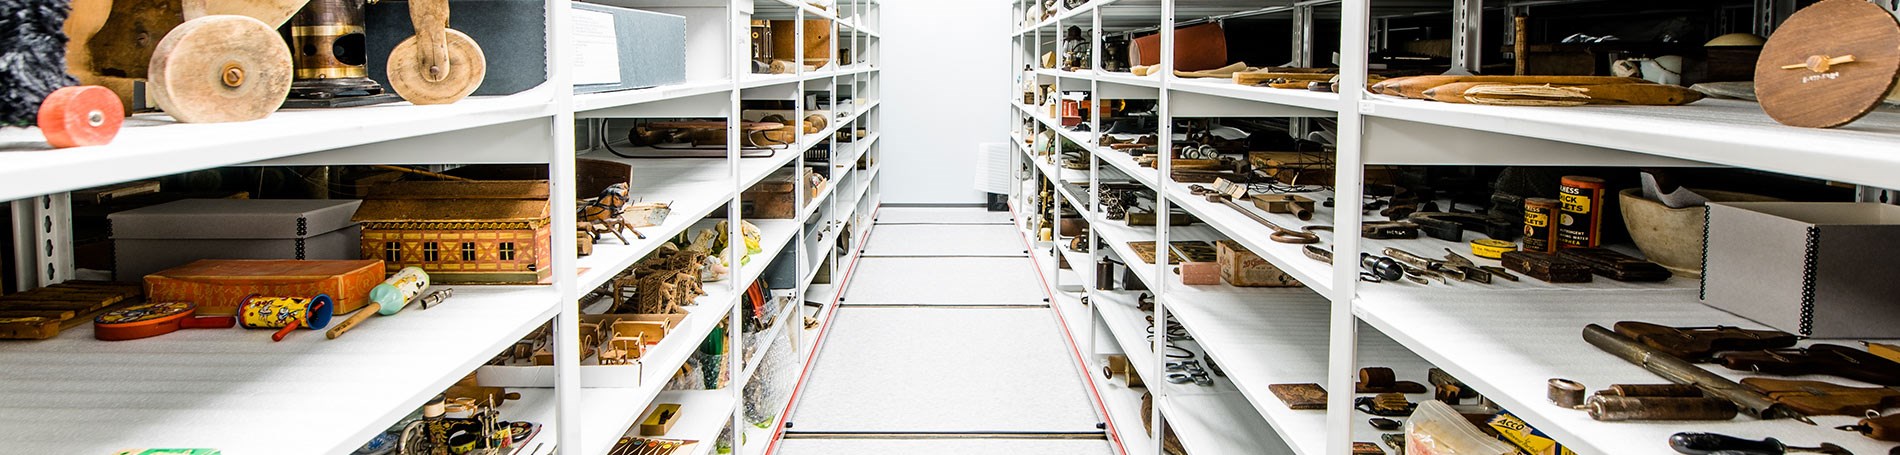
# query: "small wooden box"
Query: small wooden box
771,198
217,285
1243,268
660,420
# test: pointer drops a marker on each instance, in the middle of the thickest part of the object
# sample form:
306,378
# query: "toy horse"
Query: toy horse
603,214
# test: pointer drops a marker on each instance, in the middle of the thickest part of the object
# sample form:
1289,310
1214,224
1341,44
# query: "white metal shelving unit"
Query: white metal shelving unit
235,391
1504,339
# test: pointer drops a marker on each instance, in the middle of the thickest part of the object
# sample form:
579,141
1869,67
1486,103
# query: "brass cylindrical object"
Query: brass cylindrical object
1613,408
1566,393
1652,390
1682,372
330,52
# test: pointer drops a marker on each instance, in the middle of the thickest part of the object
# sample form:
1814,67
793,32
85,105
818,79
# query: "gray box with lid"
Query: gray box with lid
1823,270
151,239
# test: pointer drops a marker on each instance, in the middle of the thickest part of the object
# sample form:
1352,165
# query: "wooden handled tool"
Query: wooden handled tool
387,298
1816,398
1499,94
1415,86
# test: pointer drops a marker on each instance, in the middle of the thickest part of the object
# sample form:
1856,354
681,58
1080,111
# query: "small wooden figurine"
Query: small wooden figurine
604,214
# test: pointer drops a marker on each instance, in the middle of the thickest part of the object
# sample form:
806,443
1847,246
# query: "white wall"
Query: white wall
945,77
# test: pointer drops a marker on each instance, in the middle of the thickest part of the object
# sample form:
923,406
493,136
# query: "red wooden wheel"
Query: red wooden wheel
80,116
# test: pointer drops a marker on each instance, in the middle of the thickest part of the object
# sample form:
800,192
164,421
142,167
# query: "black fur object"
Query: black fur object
32,57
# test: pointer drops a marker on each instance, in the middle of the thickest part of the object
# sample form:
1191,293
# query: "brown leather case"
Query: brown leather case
1616,266
1546,267
1196,48
1300,396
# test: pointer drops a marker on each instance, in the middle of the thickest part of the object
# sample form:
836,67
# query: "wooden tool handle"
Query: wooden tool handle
347,324
431,20
1820,63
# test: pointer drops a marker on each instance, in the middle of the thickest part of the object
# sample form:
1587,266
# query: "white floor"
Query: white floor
998,240
999,281
932,354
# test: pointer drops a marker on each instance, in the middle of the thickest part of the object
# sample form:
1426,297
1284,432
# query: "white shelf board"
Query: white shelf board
535,405
1123,405
812,205
703,414
1064,15
232,389
1721,132
154,145
1281,337
1327,102
1220,423
1129,326
615,409
1485,339
695,188
1288,257
1152,81
605,100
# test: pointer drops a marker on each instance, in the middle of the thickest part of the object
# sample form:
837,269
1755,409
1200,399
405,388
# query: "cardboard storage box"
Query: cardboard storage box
1823,270
163,236
217,285
620,49
512,34
1240,267
1200,263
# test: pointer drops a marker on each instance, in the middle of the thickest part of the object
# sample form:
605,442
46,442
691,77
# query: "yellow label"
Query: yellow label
1575,203
1534,219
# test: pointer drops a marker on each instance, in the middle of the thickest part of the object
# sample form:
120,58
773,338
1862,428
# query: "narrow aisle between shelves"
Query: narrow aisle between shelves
904,371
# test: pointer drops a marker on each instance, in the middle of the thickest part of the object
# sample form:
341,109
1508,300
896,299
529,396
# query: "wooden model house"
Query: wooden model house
460,231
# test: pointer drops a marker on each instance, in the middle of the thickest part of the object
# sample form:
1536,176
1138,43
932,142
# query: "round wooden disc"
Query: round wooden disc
80,116
467,67
1843,92
220,69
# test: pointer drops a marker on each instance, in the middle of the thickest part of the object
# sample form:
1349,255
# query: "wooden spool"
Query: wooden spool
1829,65
223,68
438,65
80,116
409,75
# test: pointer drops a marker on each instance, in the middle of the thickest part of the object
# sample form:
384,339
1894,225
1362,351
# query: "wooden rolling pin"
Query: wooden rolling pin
1549,95
1415,86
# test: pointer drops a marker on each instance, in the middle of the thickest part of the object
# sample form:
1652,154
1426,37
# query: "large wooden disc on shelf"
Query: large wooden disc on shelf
221,69
81,115
1829,64
410,76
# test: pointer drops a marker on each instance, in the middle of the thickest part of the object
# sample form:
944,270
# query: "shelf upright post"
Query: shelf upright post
561,177
736,57
42,240
1467,17
1342,357
1090,201
1163,168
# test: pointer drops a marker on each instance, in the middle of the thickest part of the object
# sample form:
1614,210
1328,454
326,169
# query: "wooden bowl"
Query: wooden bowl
1673,237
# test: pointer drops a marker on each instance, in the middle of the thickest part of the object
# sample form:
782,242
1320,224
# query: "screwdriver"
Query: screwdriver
1719,444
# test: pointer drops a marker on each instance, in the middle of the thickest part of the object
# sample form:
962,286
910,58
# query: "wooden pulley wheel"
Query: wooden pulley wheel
410,75
222,68
1829,64
80,116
